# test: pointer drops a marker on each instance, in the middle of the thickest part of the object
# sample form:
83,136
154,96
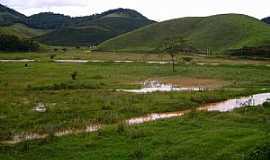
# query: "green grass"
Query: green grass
213,136
92,97
217,33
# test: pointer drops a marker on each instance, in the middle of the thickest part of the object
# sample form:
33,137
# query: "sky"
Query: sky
158,10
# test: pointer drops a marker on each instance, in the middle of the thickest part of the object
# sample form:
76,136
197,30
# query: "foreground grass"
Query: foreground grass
92,98
242,134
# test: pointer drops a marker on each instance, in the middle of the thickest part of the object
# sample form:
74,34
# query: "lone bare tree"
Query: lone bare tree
172,47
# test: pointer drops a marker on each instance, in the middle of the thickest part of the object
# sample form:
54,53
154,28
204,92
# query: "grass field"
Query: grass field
92,98
242,134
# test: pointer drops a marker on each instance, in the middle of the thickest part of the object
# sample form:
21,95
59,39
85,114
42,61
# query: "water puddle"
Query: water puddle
225,106
156,86
34,136
17,60
155,116
229,105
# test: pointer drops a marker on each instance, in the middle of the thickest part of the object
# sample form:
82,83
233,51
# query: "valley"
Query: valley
118,85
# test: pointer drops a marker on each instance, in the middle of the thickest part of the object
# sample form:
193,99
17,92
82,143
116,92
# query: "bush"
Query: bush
52,56
74,75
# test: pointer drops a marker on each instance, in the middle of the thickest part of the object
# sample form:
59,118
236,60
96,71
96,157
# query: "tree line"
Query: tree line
14,43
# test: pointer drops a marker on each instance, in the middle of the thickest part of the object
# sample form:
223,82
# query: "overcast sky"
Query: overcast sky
154,9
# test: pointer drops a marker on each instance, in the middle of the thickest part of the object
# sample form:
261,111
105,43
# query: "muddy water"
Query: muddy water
34,136
225,106
229,105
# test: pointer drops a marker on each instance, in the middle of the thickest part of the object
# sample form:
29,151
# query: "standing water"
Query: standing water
156,86
226,106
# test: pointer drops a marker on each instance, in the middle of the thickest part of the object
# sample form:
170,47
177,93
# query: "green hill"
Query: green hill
92,30
217,33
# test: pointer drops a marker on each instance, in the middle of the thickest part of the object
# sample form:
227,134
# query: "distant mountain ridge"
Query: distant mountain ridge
87,30
266,20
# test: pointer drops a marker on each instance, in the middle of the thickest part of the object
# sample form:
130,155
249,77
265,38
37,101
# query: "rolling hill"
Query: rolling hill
58,29
217,33
92,30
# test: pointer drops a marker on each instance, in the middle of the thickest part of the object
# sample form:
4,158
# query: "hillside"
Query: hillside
22,31
217,33
92,30
9,16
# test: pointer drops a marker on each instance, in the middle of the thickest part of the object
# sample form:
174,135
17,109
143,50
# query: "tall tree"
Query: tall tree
173,46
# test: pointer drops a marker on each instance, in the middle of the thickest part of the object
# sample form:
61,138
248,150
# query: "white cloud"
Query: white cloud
155,9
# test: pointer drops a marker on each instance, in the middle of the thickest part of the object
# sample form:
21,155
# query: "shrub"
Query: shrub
74,75
52,56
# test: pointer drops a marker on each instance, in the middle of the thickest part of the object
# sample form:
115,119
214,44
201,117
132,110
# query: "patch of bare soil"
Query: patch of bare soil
193,82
